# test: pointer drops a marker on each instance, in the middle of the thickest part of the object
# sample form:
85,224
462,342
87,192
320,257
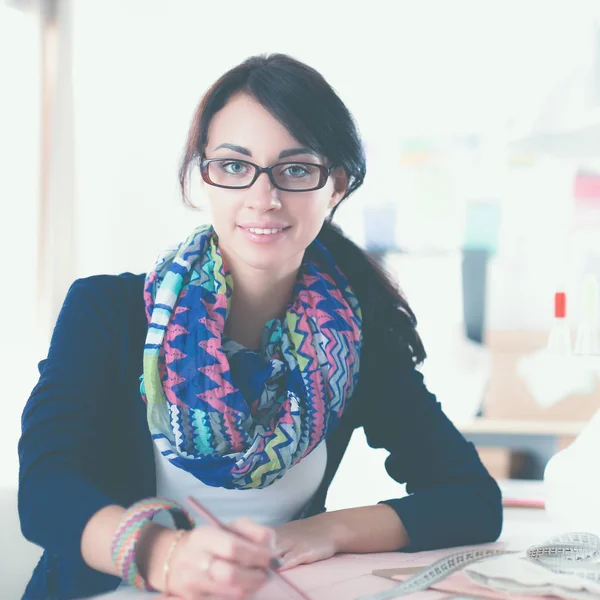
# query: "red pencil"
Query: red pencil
204,512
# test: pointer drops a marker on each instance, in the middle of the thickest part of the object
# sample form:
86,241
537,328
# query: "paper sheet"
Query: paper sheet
343,577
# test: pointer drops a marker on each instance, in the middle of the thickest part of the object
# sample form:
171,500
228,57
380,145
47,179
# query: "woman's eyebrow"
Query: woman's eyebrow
282,154
295,151
239,149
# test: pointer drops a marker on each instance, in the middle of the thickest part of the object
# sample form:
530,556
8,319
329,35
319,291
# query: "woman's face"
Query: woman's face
244,130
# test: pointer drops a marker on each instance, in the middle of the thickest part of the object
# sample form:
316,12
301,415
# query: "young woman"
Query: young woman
236,371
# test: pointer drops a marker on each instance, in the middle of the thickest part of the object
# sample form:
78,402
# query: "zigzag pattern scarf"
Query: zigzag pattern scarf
240,420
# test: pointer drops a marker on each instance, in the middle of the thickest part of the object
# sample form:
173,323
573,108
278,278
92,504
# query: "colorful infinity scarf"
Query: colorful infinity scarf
240,420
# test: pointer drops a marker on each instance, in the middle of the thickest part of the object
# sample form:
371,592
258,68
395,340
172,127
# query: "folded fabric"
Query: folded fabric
516,574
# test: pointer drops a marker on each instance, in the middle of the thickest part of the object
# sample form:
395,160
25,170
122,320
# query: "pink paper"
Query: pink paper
343,577
346,577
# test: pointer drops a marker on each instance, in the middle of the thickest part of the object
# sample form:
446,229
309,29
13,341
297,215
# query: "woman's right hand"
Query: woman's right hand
211,563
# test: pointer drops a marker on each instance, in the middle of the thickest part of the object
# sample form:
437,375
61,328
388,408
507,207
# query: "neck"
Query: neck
258,296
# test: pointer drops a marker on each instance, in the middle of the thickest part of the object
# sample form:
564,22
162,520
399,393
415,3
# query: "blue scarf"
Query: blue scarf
240,420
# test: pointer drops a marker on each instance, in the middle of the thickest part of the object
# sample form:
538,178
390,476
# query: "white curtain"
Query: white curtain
57,236
20,118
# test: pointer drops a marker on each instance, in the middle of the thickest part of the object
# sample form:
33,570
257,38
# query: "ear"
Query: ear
340,185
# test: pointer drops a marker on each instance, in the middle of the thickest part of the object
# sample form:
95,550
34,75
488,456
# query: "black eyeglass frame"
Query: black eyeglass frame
324,173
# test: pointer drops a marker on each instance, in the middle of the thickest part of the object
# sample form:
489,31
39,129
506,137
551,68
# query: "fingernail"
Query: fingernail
276,563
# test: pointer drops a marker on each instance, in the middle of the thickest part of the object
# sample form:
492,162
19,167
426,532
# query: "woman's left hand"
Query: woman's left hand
306,541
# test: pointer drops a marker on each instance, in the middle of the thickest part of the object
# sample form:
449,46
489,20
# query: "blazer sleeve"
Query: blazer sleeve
452,500
62,450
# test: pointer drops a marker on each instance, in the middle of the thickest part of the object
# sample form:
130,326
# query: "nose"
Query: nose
262,195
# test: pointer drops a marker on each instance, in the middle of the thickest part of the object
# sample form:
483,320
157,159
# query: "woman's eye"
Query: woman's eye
296,171
234,168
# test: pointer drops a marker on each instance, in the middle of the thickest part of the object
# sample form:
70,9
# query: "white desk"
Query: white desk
348,576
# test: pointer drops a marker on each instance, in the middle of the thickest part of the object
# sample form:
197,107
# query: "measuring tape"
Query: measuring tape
569,554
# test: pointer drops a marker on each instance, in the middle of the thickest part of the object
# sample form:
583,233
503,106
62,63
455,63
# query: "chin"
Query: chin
265,258
264,262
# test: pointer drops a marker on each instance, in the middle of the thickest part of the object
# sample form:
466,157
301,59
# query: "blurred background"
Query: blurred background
481,121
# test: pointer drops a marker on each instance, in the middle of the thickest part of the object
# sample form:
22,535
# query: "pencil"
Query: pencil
204,512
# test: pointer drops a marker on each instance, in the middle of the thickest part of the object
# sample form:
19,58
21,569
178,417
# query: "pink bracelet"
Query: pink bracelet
128,532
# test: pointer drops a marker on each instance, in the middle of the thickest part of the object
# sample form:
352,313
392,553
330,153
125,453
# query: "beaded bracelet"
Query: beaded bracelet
128,532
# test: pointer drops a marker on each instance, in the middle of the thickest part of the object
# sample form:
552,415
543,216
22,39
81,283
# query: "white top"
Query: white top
279,503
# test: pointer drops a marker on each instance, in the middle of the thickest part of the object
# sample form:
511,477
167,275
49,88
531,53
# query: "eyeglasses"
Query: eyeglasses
286,176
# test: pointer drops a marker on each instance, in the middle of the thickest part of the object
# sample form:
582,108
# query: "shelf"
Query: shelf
523,427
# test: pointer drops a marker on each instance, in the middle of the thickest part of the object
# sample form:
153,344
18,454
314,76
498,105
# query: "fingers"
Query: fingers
233,548
292,559
264,536
214,562
301,555
221,579
225,575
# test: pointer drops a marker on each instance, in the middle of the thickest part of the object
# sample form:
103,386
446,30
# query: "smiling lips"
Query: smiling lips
264,232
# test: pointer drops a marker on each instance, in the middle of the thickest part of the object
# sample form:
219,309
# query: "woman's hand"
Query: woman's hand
210,563
307,540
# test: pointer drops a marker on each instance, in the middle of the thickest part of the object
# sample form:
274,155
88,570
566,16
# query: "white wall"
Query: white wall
19,184
19,187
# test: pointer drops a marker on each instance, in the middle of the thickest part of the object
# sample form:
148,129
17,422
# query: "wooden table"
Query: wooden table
347,577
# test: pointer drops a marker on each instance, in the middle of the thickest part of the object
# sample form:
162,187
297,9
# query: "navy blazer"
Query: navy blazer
85,441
